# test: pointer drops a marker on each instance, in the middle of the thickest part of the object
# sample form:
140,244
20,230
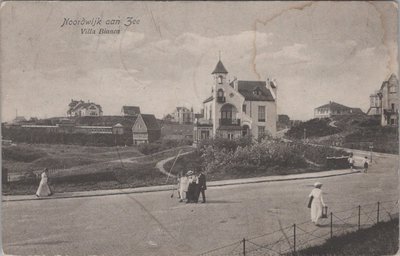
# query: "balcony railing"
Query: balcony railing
221,99
234,122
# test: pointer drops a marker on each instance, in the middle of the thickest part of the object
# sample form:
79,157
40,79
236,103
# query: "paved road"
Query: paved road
155,224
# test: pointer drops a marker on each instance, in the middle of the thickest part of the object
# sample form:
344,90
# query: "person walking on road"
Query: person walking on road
44,189
202,186
183,187
351,161
366,163
316,203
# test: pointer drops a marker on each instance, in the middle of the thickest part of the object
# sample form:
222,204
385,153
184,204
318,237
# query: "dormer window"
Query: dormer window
257,91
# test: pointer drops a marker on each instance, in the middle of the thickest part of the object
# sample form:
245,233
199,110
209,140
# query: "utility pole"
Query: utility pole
304,135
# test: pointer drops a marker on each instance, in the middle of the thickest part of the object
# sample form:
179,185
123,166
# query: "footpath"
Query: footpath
210,184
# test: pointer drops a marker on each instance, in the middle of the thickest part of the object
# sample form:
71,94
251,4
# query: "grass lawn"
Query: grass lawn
24,157
380,239
106,172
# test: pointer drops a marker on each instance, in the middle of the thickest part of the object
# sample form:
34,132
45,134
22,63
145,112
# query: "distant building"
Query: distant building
385,102
183,115
375,104
130,110
335,109
146,129
81,108
19,120
168,118
237,108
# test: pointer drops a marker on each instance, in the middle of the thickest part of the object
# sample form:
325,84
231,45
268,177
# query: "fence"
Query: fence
299,236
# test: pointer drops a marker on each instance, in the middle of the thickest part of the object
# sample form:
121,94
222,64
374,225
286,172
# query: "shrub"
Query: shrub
314,128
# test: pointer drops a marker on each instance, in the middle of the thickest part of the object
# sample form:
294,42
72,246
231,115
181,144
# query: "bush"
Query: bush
314,128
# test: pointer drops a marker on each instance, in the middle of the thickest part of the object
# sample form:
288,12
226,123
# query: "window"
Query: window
261,113
220,79
220,93
392,89
244,108
230,136
392,106
261,131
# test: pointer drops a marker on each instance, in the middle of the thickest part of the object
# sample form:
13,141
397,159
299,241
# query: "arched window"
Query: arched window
220,93
220,79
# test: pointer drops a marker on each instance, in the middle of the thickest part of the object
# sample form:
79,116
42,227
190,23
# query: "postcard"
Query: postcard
199,128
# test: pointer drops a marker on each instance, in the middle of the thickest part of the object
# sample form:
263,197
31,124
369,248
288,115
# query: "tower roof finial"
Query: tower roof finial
219,55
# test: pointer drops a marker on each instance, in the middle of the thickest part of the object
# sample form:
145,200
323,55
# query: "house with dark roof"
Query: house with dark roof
384,103
130,110
81,108
335,109
237,108
146,129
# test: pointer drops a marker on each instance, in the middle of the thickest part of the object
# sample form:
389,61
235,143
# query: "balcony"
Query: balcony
220,99
229,122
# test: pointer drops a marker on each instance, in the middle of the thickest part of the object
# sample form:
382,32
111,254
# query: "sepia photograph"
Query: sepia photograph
199,128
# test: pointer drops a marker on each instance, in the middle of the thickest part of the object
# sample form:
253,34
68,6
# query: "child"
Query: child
366,164
351,161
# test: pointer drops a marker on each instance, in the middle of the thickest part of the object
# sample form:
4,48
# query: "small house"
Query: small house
146,129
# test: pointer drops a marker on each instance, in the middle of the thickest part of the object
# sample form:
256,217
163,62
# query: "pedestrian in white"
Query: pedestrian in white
183,187
44,189
317,203
351,161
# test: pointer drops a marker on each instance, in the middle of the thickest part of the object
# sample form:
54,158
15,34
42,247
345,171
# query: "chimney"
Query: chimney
271,86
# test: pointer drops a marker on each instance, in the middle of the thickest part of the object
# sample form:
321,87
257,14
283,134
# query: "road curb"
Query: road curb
172,187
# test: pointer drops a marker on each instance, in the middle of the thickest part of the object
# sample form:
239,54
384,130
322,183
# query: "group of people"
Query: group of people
190,186
352,163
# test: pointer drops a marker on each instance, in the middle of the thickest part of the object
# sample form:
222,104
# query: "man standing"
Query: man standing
202,186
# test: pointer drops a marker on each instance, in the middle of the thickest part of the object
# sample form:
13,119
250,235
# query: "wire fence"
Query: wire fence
290,239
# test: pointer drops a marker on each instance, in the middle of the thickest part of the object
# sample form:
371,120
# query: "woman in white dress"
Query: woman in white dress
317,203
44,189
183,188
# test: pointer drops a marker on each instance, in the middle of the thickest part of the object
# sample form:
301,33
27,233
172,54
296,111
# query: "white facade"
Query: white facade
238,108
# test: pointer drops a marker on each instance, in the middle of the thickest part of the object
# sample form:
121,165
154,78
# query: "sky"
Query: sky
316,51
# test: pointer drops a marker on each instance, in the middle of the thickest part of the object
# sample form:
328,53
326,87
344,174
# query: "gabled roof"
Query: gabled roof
333,106
151,122
130,110
184,109
209,99
248,89
220,69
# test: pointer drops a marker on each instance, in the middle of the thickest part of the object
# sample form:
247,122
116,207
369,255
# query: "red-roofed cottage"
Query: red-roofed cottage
237,108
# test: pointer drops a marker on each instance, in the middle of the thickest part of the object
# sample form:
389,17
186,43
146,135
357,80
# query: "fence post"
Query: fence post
294,238
244,246
377,214
359,217
331,224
